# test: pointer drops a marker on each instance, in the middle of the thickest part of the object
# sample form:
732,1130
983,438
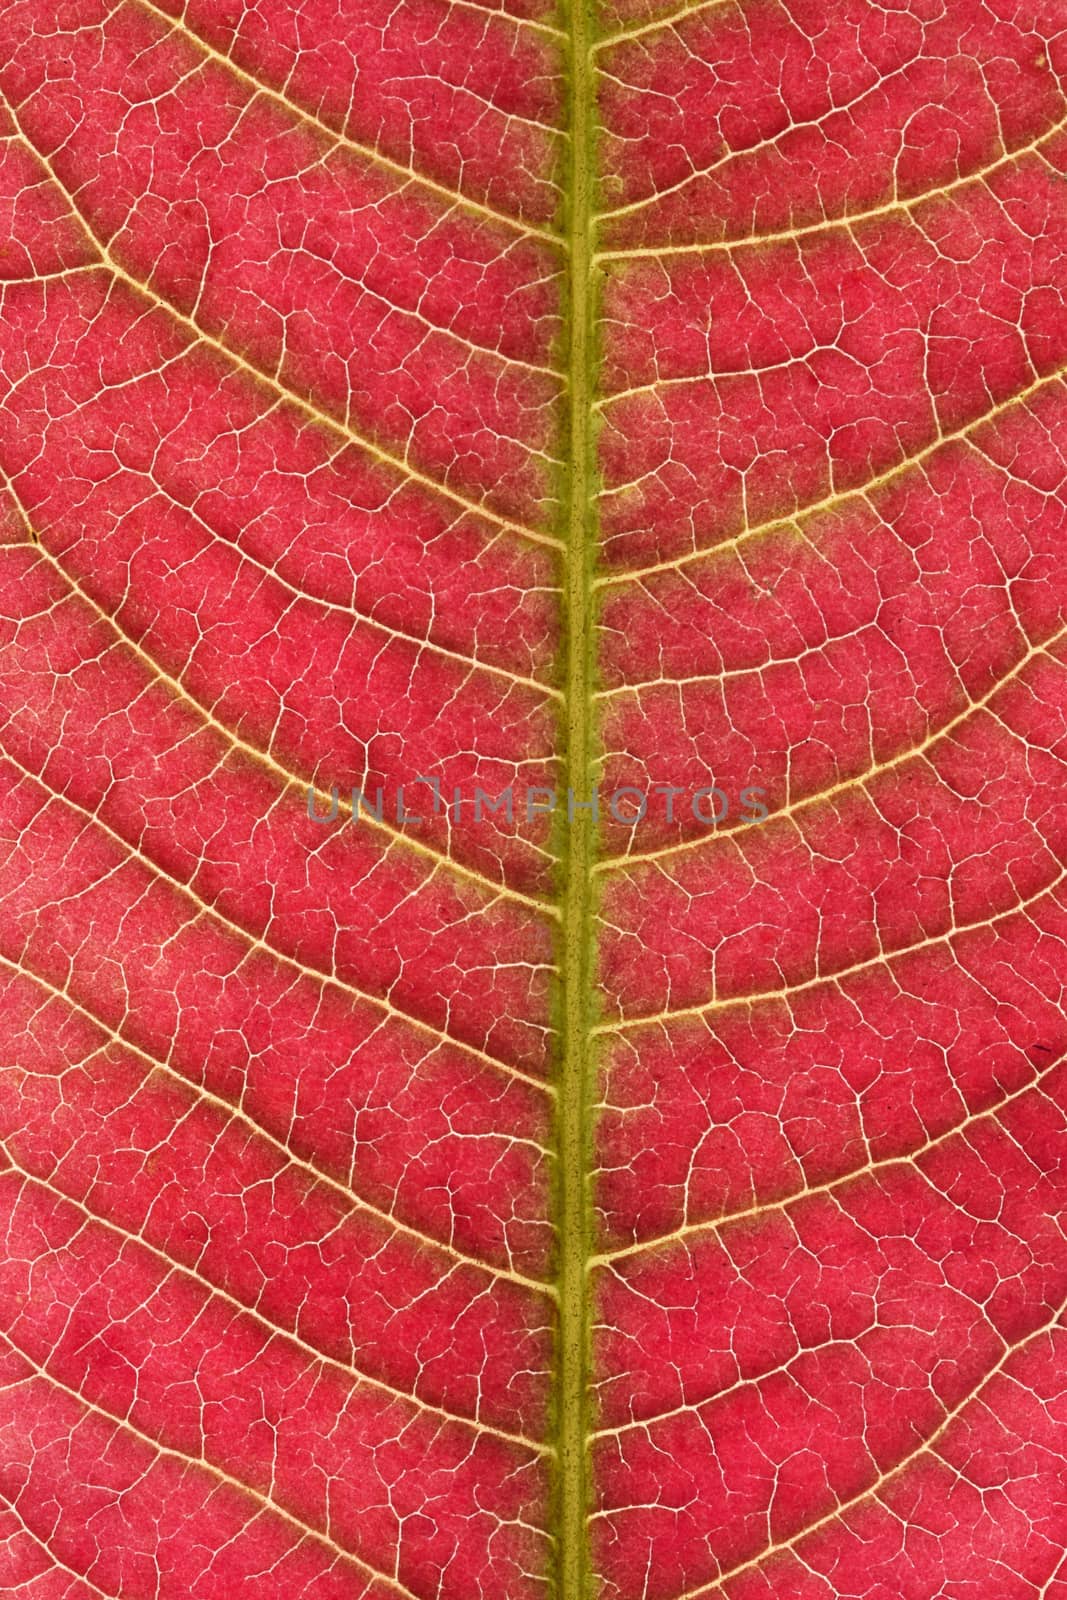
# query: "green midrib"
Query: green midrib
577,1073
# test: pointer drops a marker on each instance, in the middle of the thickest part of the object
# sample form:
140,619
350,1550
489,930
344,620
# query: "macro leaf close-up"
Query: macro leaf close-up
533,800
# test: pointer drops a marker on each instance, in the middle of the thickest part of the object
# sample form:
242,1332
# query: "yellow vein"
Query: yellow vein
573,1580
756,668
767,143
389,630
288,397
312,1172
496,891
789,522
1058,1569
245,1490
43,1546
339,139
274,1330
46,277
322,980
883,958
658,386
713,1225
348,609
497,12
739,1386
683,13
849,220
926,1447
860,779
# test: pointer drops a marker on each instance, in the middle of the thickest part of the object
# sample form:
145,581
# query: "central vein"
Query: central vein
577,1074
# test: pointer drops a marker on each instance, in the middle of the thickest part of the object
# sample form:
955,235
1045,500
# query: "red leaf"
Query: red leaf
429,1202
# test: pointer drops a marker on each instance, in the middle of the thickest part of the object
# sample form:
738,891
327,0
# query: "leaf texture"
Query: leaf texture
564,1206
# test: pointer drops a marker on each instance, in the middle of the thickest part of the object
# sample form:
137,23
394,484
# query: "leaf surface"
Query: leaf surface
476,1208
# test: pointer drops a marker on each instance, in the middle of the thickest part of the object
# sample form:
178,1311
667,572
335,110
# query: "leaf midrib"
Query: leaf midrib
577,988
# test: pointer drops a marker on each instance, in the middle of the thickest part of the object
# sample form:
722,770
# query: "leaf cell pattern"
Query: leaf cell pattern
504,396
